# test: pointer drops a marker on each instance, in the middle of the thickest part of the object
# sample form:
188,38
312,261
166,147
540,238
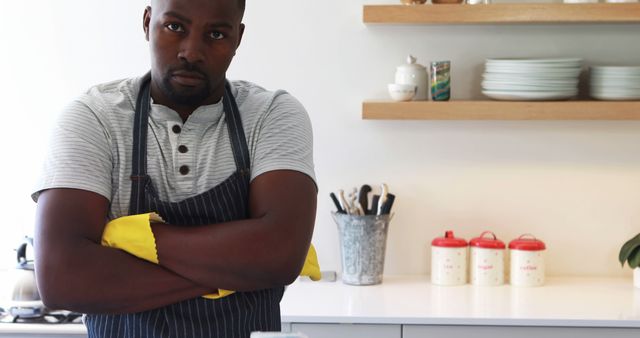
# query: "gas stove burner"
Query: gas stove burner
50,318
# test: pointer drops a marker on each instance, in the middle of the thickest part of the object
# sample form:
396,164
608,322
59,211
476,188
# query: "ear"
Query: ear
240,35
146,19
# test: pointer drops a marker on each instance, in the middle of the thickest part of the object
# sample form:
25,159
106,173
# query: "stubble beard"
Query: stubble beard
188,96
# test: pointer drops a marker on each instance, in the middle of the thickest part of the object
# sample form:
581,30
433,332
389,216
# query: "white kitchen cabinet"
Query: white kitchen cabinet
424,331
348,330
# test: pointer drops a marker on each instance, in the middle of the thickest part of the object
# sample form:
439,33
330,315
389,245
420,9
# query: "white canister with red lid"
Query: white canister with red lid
527,261
487,260
448,260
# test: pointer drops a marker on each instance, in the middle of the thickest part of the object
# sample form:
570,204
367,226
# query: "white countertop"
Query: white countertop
44,329
584,302
571,302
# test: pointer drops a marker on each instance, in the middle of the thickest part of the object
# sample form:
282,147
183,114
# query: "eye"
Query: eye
174,27
217,35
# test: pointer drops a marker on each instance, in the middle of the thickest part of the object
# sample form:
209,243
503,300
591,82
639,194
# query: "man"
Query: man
229,168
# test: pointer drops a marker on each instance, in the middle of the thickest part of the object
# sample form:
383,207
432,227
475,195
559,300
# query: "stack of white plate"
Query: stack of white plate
615,83
531,79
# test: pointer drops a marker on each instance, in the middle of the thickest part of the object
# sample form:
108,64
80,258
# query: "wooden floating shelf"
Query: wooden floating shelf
503,13
501,110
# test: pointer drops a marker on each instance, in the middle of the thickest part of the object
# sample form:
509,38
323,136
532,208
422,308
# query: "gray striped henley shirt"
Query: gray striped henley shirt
91,143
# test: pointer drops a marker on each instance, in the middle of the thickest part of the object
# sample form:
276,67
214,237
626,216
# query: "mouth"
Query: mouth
188,78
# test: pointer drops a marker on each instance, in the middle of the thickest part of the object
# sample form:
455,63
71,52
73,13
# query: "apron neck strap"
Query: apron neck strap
236,131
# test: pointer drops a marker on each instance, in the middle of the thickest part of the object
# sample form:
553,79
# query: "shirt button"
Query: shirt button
184,169
183,149
176,129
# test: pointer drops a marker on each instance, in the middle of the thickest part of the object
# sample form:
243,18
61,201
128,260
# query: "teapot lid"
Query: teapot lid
411,65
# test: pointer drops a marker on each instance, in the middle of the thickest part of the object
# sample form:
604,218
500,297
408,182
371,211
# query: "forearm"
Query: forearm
240,255
266,250
88,278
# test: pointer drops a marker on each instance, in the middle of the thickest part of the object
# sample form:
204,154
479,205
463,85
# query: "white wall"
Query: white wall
574,184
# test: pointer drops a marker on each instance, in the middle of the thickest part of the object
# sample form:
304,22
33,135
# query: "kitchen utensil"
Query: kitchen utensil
415,74
337,203
352,199
374,204
383,197
527,261
487,260
363,197
343,202
386,207
358,208
448,260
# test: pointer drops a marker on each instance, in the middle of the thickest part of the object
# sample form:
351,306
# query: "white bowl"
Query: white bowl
402,92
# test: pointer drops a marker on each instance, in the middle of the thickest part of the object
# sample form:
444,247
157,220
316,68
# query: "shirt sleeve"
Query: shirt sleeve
285,139
79,153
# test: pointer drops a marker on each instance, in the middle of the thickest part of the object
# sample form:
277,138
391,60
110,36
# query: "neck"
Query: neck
184,110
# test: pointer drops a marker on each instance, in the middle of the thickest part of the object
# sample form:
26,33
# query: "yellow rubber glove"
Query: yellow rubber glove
311,267
133,234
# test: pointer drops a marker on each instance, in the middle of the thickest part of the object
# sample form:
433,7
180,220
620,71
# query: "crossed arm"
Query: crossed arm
75,272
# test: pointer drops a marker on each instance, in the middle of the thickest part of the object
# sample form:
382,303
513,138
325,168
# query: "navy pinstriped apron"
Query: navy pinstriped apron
234,316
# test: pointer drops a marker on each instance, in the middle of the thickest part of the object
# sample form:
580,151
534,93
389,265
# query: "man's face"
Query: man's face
192,44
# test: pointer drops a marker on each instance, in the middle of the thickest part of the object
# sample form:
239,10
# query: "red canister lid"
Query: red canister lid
487,242
527,244
449,241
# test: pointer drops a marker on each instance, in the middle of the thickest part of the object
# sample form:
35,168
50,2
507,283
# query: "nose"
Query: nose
191,49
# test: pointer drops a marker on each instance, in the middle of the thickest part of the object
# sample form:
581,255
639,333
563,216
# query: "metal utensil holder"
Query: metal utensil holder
363,240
